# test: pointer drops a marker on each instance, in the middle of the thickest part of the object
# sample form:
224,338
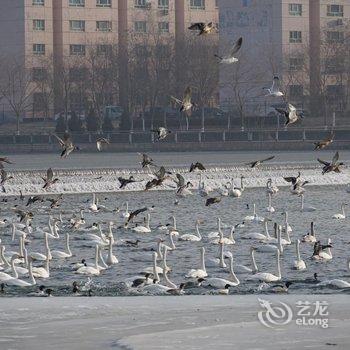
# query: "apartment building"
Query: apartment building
285,38
60,31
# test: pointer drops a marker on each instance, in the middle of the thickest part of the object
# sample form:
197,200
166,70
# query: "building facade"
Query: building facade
61,31
293,39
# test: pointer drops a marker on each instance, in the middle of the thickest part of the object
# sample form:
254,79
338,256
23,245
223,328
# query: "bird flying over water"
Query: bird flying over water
256,163
324,143
67,145
49,180
161,133
334,165
195,166
230,58
124,182
146,160
101,142
290,113
203,28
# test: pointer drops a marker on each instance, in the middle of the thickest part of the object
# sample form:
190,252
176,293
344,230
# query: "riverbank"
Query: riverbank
187,322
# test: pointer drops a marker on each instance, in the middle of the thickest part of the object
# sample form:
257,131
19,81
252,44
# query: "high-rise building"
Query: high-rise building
291,39
61,31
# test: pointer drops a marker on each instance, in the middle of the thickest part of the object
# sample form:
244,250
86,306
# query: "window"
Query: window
39,49
295,9
163,27
140,27
296,91
163,4
103,49
103,26
197,4
39,74
78,3
295,37
38,24
77,50
141,3
38,2
335,10
77,26
335,37
334,65
77,74
296,63
103,3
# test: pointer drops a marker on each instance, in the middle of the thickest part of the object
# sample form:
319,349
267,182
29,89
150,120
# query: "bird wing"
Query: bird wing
275,82
291,108
181,180
187,95
160,173
61,142
290,179
197,26
335,158
49,174
267,159
3,175
200,166
176,100
323,162
236,47
282,111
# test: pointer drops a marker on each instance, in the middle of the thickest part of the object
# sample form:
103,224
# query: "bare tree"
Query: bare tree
16,86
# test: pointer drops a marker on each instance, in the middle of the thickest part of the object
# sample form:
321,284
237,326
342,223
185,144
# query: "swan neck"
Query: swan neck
298,250
30,269
13,267
155,272
202,261
232,273
254,266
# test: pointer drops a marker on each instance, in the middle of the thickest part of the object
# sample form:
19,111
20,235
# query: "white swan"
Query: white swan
40,256
173,229
201,272
340,216
156,270
221,282
111,258
304,208
245,269
203,190
143,229
58,254
192,237
286,228
310,237
222,239
235,191
298,264
94,239
326,254
218,262
258,236
338,283
270,208
126,213
254,218
43,271
269,277
215,234
13,280
90,270
273,244
93,206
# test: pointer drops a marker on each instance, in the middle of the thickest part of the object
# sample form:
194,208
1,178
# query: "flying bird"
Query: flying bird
137,212
55,202
124,182
274,90
291,114
146,160
161,133
324,143
49,180
203,28
24,215
33,199
230,58
101,142
334,165
212,200
195,166
67,145
293,179
186,105
256,163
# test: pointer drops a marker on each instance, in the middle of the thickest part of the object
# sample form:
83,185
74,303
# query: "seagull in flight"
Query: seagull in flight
290,113
230,58
274,89
161,133
332,166
256,163
203,28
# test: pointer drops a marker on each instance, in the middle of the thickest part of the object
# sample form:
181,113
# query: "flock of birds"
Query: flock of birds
24,266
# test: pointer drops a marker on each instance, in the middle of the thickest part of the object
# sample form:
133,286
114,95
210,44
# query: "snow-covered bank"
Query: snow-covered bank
189,322
106,180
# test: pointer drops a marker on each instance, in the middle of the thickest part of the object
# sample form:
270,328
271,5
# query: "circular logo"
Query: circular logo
274,315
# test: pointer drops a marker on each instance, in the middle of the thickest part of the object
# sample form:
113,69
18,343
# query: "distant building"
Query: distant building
293,39
54,30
